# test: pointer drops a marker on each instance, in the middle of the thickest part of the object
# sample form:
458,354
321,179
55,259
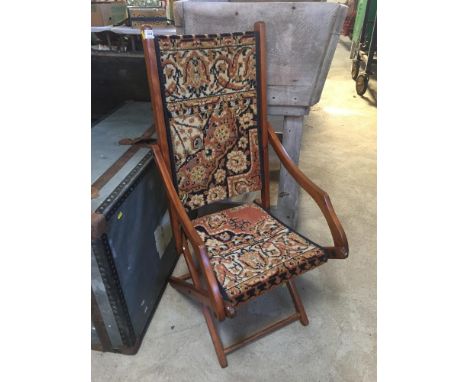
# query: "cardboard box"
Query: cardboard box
109,13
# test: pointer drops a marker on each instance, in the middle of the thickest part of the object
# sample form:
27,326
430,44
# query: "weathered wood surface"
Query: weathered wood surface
301,40
288,191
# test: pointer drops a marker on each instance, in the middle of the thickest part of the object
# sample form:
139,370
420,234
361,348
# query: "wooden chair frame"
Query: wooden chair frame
204,287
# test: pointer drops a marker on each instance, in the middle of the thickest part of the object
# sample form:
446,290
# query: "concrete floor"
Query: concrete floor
339,154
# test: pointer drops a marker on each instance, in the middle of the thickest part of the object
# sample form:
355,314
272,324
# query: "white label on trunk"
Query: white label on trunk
163,234
148,34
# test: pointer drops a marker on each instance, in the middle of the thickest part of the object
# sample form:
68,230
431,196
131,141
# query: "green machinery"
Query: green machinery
364,44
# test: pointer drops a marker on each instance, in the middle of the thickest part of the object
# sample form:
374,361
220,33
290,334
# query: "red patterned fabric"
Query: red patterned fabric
251,251
210,97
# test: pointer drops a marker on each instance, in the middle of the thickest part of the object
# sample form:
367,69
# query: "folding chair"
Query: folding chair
208,94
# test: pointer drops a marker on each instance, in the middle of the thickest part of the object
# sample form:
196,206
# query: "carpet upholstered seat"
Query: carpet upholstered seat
251,251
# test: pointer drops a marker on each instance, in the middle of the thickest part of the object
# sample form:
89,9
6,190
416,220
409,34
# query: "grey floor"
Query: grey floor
339,154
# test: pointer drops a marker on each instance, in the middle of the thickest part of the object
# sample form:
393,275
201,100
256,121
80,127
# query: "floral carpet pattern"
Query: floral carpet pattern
250,251
210,94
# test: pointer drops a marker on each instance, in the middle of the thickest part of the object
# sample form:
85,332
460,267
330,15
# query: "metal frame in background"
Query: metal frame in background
364,48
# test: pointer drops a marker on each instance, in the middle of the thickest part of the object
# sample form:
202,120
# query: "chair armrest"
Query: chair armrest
341,249
192,235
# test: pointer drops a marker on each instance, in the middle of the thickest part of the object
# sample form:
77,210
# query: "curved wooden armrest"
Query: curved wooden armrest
192,235
341,249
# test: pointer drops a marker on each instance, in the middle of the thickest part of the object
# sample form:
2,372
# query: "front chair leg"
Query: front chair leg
215,337
298,303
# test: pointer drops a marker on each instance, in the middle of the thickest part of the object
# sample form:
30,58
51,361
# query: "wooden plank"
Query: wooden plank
287,110
329,53
288,192
290,95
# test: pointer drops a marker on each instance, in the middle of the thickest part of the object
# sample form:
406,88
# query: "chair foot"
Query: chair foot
298,303
304,321
218,345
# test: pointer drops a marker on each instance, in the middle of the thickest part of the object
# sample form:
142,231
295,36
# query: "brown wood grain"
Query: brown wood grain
159,123
262,112
297,303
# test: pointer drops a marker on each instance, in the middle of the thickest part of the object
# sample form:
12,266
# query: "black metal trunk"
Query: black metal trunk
132,249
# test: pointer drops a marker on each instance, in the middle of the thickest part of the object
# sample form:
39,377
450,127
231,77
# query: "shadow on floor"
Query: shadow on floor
370,96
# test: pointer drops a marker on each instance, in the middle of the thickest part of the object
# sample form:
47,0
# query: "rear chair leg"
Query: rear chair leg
298,303
215,337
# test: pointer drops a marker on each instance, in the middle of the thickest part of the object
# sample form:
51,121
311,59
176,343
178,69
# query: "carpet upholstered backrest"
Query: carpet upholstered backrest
209,91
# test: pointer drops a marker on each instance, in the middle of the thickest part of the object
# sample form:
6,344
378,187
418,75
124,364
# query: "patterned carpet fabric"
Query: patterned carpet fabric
251,251
210,97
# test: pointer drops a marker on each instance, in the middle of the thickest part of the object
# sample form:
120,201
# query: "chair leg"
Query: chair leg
221,351
215,337
298,303
199,294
